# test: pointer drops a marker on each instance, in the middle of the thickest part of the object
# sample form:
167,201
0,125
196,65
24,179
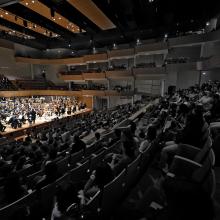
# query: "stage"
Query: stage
41,122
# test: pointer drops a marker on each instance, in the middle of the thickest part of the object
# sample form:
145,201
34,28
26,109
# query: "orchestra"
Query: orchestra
18,111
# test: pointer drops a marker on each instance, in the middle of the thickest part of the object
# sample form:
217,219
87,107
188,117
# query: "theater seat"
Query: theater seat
80,173
132,173
63,165
112,194
183,167
47,198
96,159
25,202
76,157
93,205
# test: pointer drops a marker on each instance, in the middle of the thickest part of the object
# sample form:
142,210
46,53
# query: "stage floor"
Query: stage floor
40,121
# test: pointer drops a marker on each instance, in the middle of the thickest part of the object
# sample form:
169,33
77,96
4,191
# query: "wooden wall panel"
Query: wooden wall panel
114,54
76,60
117,74
93,93
153,48
94,76
27,93
71,77
101,57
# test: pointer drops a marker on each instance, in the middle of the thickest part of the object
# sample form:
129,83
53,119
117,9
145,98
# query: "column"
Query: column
162,87
32,71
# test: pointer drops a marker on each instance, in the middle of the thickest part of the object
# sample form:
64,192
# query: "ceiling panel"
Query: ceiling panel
53,16
22,22
89,9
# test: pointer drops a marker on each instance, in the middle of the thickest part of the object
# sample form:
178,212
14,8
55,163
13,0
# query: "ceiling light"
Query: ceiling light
69,45
207,23
26,3
6,13
204,73
54,19
59,51
32,1
72,52
165,35
59,18
1,16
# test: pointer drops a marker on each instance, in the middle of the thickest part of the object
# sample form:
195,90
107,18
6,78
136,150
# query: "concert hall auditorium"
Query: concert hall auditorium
109,110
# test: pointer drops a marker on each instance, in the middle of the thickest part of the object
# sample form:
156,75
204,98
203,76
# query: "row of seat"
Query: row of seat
78,173
196,164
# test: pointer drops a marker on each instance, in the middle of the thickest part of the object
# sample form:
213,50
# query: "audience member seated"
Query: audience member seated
51,174
78,145
120,161
13,188
66,203
146,140
101,176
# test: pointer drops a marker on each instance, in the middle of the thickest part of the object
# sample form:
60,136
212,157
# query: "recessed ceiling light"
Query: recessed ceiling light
69,45
32,1
6,13
72,52
1,16
204,73
26,3
59,18
207,23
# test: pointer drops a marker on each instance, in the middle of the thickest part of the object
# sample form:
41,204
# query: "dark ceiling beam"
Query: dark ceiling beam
26,42
73,15
13,26
4,3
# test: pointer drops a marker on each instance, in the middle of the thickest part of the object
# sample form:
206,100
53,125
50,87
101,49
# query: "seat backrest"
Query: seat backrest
112,193
96,160
80,173
93,204
201,174
91,149
7,211
63,180
114,147
47,194
62,165
183,167
145,158
75,158
132,172
204,151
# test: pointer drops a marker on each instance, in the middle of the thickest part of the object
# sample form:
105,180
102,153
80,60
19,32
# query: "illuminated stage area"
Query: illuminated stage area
21,114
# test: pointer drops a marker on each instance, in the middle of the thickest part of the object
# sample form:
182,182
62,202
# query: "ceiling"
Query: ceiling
85,24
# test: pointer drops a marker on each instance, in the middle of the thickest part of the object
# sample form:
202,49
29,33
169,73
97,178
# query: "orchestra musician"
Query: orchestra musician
2,127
